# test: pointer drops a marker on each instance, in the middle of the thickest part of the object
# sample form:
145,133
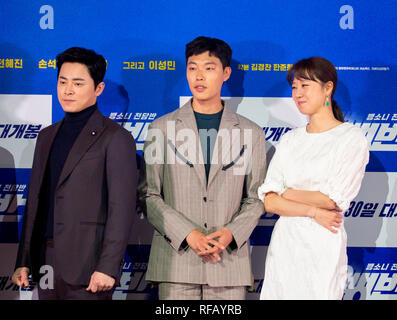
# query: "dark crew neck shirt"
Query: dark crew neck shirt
73,124
208,126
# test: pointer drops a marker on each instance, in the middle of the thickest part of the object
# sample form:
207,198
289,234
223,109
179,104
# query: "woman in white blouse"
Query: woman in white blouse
315,172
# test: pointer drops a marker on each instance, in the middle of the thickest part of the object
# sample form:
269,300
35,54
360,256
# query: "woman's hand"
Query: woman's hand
329,219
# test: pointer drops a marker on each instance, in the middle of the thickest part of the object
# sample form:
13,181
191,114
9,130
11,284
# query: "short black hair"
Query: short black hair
95,63
216,47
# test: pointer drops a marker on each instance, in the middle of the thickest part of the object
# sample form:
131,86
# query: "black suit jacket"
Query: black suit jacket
94,202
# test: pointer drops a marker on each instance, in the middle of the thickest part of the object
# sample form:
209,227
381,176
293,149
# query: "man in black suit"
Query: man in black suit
81,197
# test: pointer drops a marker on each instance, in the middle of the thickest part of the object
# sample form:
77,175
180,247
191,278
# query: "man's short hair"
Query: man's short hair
216,47
95,63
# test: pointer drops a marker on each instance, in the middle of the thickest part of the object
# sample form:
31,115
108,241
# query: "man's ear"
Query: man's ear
99,88
226,73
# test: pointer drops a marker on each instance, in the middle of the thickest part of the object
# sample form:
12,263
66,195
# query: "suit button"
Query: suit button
205,199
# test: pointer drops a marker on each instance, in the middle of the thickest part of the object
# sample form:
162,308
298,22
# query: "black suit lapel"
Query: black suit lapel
45,149
90,133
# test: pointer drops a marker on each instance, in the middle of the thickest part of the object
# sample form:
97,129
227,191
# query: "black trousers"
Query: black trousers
62,290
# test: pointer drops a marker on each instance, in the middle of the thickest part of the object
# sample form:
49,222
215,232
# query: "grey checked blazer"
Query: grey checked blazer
179,199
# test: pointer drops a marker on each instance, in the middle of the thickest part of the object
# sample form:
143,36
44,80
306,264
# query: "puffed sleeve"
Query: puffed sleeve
348,170
274,181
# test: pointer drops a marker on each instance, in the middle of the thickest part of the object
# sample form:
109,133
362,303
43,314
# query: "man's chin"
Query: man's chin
73,108
70,109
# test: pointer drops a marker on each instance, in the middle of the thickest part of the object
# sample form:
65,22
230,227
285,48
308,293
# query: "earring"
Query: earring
327,102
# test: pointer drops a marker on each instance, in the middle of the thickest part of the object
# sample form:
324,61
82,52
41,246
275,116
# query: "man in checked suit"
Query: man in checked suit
204,164
82,191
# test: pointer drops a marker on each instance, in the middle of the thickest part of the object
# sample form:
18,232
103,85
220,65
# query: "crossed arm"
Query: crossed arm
302,203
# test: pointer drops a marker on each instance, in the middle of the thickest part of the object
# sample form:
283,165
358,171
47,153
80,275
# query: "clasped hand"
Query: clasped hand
209,247
329,219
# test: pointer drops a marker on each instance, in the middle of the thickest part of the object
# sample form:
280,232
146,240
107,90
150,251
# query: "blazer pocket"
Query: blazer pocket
231,164
92,223
91,155
179,155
